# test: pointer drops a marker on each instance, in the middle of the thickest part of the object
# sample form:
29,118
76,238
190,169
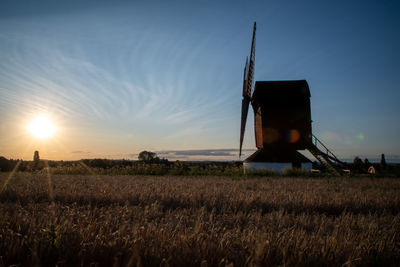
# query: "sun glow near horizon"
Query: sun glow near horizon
41,127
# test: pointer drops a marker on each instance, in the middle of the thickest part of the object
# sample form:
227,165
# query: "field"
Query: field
89,220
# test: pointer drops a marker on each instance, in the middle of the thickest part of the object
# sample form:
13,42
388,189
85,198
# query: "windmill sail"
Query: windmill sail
245,106
250,73
246,69
247,88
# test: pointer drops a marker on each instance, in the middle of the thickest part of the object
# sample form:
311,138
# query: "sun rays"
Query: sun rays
10,176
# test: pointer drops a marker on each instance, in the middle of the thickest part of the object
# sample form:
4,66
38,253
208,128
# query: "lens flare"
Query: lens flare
293,136
331,137
41,127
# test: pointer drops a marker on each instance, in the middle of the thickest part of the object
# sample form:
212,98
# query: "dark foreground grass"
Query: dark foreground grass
198,221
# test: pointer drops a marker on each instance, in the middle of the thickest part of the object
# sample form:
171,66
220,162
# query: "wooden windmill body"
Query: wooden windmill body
282,123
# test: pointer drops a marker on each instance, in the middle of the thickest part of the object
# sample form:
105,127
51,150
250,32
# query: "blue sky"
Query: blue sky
119,77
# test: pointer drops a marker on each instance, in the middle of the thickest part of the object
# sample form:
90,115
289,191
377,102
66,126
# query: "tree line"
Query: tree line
149,163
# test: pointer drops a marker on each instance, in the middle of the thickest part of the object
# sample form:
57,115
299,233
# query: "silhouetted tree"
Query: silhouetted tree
383,161
37,163
5,165
367,164
148,156
358,165
36,156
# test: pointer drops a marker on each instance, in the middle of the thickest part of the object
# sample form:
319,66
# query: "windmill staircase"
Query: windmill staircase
326,157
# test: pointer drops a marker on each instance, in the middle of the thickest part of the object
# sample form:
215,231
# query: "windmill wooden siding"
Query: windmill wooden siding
283,117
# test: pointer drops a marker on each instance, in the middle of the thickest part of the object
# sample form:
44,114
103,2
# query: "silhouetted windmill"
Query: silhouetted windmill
282,123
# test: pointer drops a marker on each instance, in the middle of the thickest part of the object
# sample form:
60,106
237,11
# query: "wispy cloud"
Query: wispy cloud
80,152
200,152
131,81
189,155
204,154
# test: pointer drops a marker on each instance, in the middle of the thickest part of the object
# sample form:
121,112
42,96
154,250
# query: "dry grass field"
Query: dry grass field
90,220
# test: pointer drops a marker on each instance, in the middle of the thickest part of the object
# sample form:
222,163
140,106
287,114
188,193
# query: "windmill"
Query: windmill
282,123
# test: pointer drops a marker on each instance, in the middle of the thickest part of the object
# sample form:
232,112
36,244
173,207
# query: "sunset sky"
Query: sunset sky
119,77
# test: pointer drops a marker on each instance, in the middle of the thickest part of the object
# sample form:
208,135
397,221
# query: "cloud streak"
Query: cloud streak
80,152
204,154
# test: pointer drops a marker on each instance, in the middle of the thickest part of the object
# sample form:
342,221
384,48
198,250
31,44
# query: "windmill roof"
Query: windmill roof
294,88
267,155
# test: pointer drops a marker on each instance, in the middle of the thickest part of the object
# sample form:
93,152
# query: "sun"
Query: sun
41,127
